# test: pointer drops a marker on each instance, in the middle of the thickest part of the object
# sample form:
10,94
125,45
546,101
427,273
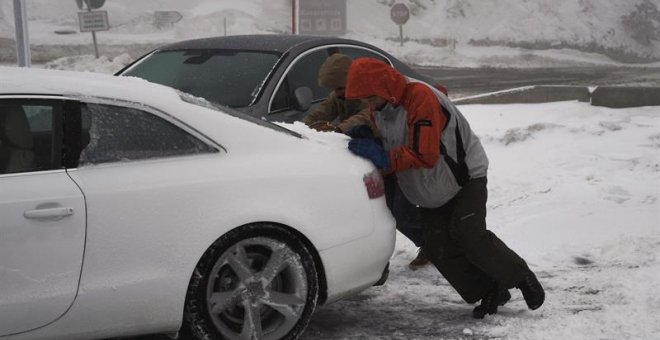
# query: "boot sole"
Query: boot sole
418,266
535,307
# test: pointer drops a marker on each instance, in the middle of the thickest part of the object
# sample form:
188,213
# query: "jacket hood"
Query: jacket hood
371,77
332,73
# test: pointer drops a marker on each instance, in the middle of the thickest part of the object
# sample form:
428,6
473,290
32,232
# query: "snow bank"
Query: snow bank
89,63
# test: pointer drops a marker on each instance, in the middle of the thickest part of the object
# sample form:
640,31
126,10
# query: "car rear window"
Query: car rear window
228,77
188,98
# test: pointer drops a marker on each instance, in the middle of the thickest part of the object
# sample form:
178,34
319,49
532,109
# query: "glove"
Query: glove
324,127
360,131
369,149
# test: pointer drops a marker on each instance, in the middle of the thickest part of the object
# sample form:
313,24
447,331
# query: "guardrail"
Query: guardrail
607,96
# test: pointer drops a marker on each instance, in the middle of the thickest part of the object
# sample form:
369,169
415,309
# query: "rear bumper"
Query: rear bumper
355,266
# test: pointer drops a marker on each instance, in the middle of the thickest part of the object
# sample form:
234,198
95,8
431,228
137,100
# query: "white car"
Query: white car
128,208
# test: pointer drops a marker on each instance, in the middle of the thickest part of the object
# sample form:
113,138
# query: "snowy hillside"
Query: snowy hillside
595,26
450,33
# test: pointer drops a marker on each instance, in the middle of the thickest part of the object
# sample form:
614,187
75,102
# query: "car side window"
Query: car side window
355,53
303,73
29,135
116,133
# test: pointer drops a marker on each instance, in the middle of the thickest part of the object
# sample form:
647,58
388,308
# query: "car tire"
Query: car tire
255,282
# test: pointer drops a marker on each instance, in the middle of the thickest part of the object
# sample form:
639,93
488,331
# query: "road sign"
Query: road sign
400,14
93,21
322,17
166,18
92,4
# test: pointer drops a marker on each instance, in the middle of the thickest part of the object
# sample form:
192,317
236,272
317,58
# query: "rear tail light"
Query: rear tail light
374,183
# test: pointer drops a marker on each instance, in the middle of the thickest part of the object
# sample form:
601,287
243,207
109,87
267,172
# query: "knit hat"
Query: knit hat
334,70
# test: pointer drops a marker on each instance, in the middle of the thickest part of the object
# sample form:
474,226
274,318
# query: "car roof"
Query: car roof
31,81
106,89
257,42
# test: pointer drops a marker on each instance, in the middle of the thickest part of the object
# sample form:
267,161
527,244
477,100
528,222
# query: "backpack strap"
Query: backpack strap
458,167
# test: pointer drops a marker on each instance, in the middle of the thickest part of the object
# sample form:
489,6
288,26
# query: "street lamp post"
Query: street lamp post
22,42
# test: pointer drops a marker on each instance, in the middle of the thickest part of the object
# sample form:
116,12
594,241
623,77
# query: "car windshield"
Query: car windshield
186,97
228,77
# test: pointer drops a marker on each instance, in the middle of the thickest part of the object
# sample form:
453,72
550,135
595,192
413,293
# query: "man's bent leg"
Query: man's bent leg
468,280
481,247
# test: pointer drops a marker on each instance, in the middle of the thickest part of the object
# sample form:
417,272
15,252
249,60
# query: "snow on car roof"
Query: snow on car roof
82,85
15,80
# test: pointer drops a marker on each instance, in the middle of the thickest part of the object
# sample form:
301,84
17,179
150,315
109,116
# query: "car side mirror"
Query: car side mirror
302,97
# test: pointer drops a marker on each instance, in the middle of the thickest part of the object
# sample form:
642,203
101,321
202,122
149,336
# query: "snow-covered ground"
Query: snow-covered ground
575,190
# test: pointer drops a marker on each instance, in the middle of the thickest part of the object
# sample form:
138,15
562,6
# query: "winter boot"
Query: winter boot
420,261
531,290
496,297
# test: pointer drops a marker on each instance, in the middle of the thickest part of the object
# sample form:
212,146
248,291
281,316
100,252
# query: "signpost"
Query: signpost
93,21
166,18
92,4
400,15
320,17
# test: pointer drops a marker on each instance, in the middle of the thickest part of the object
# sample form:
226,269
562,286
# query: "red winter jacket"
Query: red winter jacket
371,77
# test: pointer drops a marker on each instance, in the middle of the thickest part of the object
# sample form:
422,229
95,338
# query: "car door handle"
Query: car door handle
49,213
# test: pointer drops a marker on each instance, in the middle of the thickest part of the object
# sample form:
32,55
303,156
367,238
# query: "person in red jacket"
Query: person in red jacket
440,166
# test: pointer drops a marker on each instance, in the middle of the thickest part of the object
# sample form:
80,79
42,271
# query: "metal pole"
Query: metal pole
225,25
293,17
401,33
22,42
96,46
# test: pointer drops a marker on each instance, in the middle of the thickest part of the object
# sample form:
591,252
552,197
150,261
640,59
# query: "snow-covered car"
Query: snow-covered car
267,76
129,208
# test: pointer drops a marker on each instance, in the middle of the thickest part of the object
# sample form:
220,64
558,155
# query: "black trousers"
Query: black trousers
468,255
406,214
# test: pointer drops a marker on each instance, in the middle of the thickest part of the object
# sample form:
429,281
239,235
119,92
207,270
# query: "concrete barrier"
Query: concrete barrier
608,96
530,94
619,96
